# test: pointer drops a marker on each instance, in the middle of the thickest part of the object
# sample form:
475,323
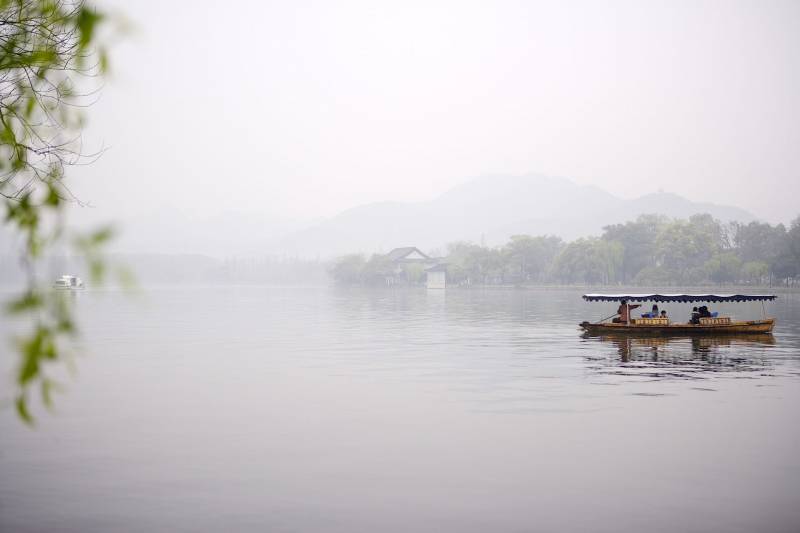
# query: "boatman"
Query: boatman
624,312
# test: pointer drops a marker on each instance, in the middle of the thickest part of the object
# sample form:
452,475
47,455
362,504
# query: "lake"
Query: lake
335,410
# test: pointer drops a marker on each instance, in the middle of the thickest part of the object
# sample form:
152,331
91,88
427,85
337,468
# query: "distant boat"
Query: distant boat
68,283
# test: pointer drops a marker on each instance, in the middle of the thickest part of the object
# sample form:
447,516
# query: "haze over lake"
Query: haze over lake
317,266
325,409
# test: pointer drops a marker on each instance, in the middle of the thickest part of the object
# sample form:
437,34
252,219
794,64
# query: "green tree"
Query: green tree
529,257
48,52
653,275
347,269
456,275
755,271
638,240
590,261
683,247
414,273
724,267
470,263
613,257
788,262
378,271
464,262
759,242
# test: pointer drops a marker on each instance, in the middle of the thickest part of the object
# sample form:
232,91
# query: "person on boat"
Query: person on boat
653,312
695,316
664,313
624,312
704,312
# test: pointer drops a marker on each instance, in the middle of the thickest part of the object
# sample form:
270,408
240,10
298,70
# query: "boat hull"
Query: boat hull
733,328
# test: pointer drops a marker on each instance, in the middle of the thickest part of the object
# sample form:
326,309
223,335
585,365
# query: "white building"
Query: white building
436,276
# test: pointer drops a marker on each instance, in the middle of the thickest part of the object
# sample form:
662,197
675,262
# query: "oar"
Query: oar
606,318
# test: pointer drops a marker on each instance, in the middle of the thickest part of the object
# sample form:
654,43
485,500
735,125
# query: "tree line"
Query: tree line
651,250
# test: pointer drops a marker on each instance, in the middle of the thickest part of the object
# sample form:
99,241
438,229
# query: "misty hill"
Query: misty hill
490,209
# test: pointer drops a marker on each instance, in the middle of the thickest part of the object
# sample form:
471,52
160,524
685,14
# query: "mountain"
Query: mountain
490,209
680,207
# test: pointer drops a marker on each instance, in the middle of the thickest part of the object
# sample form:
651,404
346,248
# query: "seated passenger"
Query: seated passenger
664,314
704,312
652,314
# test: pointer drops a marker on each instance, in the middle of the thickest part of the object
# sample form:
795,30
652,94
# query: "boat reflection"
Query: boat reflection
681,357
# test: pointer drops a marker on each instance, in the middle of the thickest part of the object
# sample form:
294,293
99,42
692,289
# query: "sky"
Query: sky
303,109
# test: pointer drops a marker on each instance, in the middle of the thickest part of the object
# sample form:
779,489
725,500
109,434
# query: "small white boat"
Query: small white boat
68,283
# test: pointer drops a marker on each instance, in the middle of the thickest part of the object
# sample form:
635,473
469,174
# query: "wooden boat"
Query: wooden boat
719,325
703,342
738,327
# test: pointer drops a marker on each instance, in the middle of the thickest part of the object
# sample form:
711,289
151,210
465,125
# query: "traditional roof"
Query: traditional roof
683,298
440,267
401,253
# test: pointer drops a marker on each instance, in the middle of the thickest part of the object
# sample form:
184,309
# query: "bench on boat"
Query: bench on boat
650,321
715,321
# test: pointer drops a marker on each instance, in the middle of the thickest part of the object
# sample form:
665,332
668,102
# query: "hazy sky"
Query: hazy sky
306,108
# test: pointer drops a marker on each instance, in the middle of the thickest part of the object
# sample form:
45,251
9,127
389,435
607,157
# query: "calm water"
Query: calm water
323,410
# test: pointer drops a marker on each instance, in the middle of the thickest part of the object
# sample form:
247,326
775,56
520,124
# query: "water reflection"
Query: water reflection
676,357
483,339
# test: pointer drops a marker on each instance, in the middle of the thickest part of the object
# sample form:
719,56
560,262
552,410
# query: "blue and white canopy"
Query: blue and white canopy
683,298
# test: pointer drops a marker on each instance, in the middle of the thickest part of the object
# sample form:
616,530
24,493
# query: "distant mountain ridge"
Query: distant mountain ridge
490,209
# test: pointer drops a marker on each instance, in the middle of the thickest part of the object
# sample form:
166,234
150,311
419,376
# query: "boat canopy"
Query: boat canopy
683,298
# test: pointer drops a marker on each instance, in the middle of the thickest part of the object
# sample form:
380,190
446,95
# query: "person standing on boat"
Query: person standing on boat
653,312
695,319
624,312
